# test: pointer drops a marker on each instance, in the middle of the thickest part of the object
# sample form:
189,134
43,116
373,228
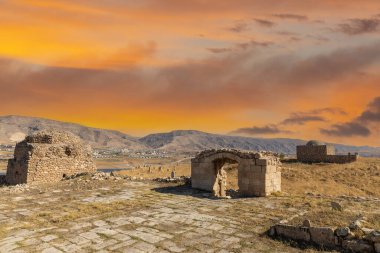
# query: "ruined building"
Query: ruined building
318,152
48,157
259,174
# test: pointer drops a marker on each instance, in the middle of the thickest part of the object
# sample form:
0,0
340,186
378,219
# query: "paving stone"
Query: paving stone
104,231
122,245
71,248
151,238
79,240
100,223
8,247
51,250
31,241
48,238
90,235
172,247
145,247
104,244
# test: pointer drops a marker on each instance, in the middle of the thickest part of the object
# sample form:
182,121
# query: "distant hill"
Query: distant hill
13,128
189,140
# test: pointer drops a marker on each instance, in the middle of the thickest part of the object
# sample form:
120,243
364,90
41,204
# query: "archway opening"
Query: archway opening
226,178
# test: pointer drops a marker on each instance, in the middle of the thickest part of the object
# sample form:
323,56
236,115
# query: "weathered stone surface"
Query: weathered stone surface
316,152
377,247
374,237
292,232
355,225
322,236
49,156
306,223
358,246
342,232
259,174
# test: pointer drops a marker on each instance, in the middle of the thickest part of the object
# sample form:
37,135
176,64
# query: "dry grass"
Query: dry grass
154,171
361,178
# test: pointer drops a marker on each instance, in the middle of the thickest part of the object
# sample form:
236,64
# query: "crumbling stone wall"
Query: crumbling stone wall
314,152
329,238
259,174
47,157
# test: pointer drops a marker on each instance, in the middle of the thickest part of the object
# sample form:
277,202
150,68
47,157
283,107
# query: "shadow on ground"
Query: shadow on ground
188,191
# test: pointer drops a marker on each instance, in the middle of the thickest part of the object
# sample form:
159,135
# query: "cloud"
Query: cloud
265,23
331,110
347,130
269,129
372,114
301,119
291,16
253,43
219,50
359,26
359,126
240,46
239,27
215,84
296,118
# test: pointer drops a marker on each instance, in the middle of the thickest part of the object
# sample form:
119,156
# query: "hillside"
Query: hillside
189,140
13,128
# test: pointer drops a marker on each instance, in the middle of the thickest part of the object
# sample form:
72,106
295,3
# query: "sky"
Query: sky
292,68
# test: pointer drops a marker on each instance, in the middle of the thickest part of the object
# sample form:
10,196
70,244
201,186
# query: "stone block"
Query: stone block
358,246
292,232
323,236
262,162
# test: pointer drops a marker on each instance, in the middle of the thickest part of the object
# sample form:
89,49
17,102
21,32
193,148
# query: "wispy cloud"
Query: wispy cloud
241,46
256,130
239,27
291,16
359,126
348,129
264,22
359,26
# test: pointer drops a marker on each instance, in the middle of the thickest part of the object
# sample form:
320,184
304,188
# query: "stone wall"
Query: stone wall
259,174
328,238
314,154
322,154
48,157
342,158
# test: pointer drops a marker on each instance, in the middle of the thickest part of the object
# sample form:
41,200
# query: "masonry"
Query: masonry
259,174
318,152
48,156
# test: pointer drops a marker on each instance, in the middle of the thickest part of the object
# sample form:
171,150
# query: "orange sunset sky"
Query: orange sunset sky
274,68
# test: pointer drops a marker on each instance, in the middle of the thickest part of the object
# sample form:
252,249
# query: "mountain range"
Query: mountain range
14,128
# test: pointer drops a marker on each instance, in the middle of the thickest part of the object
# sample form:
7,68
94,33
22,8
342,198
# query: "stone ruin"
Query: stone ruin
49,156
259,174
318,152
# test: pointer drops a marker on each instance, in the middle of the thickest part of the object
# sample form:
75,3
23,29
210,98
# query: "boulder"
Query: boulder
306,223
342,232
336,206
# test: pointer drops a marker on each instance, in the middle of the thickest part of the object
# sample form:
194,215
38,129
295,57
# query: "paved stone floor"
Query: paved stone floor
138,217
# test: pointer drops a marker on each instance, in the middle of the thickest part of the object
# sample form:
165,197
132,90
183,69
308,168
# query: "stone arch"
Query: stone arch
259,174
